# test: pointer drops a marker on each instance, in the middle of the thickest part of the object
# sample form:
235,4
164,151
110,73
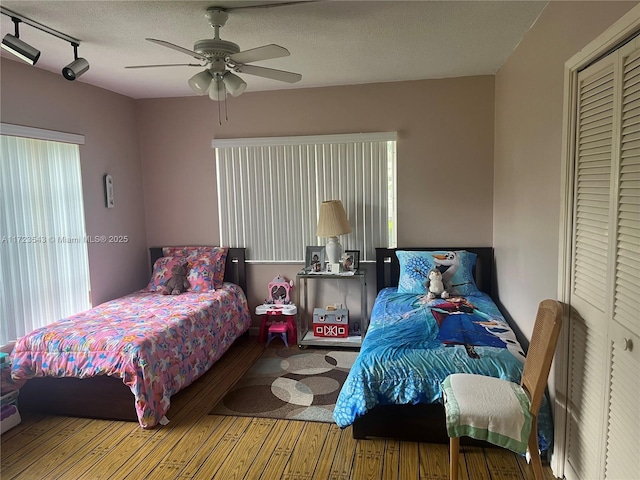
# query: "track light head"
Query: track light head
13,44
75,69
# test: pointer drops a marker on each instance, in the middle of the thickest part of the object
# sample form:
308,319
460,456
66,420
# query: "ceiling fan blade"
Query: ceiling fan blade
167,65
265,52
269,5
271,73
177,48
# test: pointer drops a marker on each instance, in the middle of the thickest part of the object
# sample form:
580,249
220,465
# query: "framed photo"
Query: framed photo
314,258
351,260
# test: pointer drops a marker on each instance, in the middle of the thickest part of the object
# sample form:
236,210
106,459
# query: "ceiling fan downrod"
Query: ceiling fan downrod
217,18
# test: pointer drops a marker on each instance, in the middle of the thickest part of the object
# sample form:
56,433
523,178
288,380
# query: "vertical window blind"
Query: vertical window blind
270,191
43,253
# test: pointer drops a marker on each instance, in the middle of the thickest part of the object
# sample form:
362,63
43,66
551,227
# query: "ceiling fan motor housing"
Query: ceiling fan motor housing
215,48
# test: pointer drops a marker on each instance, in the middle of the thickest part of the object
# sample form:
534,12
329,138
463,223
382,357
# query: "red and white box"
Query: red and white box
331,323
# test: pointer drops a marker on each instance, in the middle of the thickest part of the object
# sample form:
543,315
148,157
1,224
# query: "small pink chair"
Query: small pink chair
278,330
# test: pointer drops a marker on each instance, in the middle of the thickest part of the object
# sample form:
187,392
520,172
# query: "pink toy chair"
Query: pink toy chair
278,330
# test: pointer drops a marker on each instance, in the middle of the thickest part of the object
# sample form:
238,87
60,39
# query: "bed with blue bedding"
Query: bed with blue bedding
413,342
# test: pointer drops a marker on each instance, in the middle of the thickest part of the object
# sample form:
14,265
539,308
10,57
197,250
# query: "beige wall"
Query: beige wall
37,98
445,157
528,131
162,147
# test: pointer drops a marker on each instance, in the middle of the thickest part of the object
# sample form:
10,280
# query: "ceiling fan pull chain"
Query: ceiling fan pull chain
226,116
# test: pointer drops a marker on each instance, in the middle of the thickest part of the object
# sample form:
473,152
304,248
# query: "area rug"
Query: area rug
290,383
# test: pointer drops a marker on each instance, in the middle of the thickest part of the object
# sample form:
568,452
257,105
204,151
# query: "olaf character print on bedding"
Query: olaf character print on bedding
456,269
448,264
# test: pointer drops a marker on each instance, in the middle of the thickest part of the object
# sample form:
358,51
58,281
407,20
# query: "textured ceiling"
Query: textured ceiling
331,42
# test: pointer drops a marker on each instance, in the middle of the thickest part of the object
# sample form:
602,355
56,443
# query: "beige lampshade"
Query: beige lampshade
332,220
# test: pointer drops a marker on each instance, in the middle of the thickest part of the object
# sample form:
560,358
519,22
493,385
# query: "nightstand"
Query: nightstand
306,333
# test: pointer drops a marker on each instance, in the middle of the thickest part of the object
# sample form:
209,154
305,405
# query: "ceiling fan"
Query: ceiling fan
221,58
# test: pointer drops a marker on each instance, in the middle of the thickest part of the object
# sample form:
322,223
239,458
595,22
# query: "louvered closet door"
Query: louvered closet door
603,431
623,438
588,323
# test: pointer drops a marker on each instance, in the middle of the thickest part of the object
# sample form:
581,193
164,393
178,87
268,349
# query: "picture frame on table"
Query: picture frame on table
351,260
314,258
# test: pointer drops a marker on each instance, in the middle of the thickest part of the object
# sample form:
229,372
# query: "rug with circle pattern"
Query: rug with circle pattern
290,383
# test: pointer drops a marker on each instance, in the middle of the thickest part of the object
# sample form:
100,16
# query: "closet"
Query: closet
602,437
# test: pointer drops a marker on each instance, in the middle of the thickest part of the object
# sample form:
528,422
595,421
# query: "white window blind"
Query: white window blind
43,254
270,191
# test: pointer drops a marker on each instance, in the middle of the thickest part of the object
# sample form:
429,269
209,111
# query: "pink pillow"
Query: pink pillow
201,276
200,273
217,259
162,272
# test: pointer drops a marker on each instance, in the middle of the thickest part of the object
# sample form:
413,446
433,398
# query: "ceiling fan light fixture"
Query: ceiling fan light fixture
200,82
234,84
217,90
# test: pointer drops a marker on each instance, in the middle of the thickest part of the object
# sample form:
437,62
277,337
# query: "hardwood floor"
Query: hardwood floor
195,445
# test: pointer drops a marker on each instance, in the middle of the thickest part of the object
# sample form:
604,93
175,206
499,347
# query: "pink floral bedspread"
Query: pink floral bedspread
158,344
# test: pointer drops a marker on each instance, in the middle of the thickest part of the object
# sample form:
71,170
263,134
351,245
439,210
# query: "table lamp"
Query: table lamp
331,223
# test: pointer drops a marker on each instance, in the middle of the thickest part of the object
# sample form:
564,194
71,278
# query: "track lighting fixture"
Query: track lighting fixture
13,44
26,52
77,67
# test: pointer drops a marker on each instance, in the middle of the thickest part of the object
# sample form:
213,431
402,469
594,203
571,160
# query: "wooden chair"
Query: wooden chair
502,412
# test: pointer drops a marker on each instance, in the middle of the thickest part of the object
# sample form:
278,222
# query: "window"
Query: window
43,254
270,191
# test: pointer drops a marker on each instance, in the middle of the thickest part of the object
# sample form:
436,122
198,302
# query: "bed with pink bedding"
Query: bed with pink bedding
154,344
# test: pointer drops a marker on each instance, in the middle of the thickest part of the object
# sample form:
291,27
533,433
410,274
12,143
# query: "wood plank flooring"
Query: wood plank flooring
195,445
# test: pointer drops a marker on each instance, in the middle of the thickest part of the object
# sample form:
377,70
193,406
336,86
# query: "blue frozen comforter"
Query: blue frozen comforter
412,344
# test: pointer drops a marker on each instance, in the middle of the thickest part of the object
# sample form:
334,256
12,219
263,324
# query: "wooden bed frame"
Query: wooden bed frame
422,422
104,396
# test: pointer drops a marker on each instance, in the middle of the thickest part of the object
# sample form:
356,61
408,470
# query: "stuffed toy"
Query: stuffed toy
435,286
178,282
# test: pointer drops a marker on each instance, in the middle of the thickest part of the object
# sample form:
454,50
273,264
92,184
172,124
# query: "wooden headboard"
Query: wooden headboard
235,270
388,266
